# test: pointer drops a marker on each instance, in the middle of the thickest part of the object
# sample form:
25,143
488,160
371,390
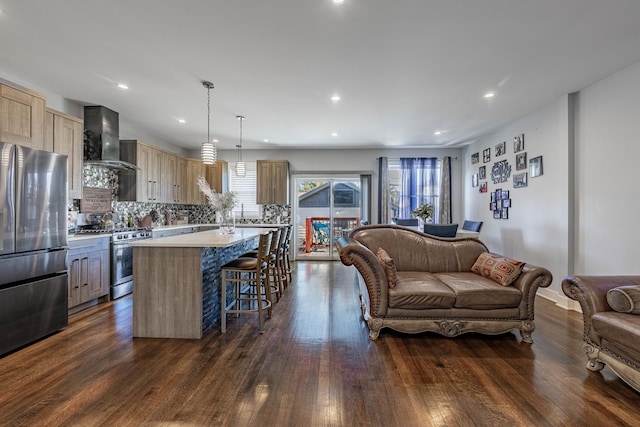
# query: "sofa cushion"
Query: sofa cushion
477,292
619,328
388,265
418,290
625,299
497,268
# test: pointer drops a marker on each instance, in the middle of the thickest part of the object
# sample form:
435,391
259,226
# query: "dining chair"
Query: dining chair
472,225
408,222
441,230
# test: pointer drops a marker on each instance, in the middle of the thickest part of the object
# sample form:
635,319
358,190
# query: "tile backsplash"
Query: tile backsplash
101,177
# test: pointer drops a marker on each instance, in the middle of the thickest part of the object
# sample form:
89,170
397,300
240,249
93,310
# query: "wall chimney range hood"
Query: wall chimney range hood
102,138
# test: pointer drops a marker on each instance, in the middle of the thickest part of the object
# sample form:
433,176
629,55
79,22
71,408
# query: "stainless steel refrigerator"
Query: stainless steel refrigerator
33,245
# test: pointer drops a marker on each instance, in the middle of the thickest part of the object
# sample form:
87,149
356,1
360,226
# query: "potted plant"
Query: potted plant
424,212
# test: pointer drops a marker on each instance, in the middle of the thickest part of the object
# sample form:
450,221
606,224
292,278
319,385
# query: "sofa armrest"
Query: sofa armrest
591,293
531,278
366,262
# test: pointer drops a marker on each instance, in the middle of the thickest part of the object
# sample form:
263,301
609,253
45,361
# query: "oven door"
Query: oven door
121,263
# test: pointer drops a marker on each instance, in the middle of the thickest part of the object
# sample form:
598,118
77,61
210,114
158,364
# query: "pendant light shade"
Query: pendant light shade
241,167
208,151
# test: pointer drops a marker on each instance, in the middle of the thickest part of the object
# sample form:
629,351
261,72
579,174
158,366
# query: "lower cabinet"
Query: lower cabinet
88,263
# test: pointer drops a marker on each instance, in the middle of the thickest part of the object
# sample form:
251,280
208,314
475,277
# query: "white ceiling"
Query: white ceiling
404,68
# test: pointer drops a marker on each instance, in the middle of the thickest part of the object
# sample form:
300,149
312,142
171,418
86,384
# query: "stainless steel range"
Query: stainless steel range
121,253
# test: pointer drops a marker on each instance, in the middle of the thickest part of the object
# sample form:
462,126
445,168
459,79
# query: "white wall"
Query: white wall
537,230
607,158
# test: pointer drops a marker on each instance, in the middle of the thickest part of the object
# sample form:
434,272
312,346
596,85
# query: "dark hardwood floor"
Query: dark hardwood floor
314,366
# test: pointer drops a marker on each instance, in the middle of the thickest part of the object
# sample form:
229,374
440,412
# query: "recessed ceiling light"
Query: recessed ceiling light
335,98
182,121
489,95
266,140
334,134
123,86
439,132
337,1
216,141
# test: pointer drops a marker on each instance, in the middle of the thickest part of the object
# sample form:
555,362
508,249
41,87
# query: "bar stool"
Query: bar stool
287,255
274,275
249,278
283,257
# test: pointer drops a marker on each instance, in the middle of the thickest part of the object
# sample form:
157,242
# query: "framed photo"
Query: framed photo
496,214
504,213
492,206
505,194
474,180
483,187
475,158
499,204
501,148
506,203
520,180
535,166
498,194
521,161
493,196
518,143
486,155
482,172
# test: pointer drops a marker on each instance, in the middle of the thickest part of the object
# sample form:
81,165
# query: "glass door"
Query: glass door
326,207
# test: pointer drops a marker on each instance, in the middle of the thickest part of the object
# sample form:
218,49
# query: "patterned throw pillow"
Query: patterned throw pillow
497,268
625,299
388,265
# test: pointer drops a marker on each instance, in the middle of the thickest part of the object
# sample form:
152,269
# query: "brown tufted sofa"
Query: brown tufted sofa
609,337
436,290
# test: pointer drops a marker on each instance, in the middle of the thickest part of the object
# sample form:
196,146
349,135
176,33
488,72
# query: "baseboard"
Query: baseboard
560,300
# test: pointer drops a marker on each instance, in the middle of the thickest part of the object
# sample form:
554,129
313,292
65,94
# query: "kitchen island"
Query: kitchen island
177,281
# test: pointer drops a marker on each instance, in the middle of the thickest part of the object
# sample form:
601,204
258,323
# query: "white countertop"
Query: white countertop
203,239
77,237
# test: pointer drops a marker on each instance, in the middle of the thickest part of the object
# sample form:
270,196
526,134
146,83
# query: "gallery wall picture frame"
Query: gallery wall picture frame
483,187
475,158
504,213
518,143
500,172
474,180
486,155
535,166
521,161
501,148
482,172
520,180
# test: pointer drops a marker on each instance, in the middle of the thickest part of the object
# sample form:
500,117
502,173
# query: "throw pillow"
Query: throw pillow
497,268
388,265
625,299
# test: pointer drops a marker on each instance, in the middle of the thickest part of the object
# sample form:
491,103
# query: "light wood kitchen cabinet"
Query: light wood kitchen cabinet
88,261
144,184
217,174
181,179
63,134
195,168
173,177
22,114
272,182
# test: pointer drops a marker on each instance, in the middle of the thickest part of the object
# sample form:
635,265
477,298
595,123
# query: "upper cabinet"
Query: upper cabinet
142,185
173,177
22,114
272,182
195,168
63,135
217,176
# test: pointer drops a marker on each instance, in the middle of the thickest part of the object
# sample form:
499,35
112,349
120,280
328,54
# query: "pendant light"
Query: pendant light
208,151
241,167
